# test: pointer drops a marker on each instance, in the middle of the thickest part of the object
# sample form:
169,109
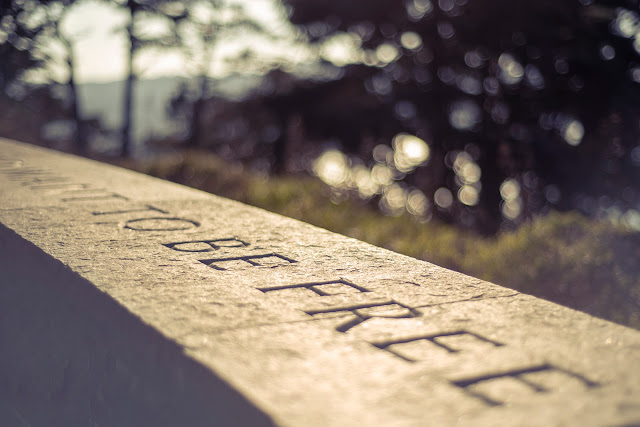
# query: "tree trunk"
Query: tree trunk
196,113
280,144
81,139
489,213
127,109
79,135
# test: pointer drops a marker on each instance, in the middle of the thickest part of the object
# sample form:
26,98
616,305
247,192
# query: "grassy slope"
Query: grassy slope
592,266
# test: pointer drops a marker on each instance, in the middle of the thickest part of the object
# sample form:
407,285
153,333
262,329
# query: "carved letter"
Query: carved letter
333,287
532,379
273,260
147,208
451,342
98,194
362,312
161,224
206,245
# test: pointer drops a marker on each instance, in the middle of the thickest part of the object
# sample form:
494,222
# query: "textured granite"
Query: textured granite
128,300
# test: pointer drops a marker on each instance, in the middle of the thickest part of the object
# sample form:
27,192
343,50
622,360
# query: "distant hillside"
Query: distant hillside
152,97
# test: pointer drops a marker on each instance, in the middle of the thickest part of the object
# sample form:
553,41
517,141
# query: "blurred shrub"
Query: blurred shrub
569,259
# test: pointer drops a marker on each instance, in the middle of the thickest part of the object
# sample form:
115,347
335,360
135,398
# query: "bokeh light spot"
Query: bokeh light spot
552,194
626,23
380,153
607,52
417,9
473,59
410,152
443,198
510,190
405,110
341,49
332,167
512,209
469,84
471,173
410,40
534,77
491,86
511,71
561,65
573,132
446,30
417,203
362,179
468,195
635,155
464,115
382,174
394,199
386,53
631,219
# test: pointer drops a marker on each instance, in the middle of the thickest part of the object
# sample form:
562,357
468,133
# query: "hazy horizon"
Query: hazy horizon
101,46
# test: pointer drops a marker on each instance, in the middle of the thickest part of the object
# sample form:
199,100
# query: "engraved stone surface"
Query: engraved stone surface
128,300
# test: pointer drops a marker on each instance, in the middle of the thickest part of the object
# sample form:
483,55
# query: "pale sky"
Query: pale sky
101,48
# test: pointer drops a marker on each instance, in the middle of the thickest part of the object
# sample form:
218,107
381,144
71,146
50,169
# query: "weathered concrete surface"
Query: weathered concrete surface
127,300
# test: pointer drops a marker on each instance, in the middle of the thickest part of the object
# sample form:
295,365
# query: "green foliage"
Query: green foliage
563,257
567,258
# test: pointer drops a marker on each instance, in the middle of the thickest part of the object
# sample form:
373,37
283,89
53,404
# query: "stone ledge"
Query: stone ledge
128,300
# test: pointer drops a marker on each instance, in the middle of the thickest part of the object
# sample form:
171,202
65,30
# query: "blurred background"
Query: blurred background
497,138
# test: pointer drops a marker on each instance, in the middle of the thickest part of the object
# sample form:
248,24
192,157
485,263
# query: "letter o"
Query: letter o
161,224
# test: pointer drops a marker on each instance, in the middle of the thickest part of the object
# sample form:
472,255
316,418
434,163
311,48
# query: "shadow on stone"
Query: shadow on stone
71,355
